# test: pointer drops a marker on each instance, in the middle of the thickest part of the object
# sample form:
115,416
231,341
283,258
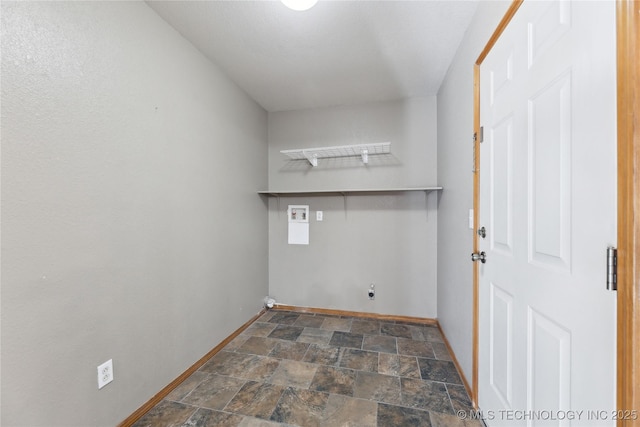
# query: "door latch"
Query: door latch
482,257
482,232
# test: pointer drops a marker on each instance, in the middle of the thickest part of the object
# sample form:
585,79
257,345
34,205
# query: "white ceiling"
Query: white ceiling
338,52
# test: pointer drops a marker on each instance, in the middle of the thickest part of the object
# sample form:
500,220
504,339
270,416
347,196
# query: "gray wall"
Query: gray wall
389,240
130,225
455,157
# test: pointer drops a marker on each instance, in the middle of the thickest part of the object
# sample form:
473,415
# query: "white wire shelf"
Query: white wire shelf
343,192
359,150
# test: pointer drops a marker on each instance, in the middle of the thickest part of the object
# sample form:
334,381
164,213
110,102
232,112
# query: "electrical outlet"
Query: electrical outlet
371,293
105,373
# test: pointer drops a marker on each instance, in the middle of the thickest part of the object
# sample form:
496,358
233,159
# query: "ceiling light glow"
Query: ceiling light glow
299,5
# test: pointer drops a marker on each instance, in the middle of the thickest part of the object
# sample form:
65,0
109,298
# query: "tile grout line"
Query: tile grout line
197,408
208,375
277,403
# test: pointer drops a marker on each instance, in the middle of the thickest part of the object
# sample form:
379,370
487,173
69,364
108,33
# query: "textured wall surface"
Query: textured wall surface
389,240
455,157
130,225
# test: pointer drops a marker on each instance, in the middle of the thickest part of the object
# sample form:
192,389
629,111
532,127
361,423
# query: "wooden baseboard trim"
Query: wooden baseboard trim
360,314
456,364
139,413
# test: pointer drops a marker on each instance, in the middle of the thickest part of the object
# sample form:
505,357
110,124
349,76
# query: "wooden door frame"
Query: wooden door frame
628,146
628,348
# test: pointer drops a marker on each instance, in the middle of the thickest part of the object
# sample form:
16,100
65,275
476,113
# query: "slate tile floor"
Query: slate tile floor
294,369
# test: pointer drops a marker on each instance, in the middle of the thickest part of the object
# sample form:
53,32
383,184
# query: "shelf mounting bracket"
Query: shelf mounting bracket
312,157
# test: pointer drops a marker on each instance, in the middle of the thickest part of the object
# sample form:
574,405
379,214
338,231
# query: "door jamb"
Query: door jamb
628,82
628,146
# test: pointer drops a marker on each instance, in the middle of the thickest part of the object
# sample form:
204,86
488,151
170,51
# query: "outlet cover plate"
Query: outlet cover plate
105,373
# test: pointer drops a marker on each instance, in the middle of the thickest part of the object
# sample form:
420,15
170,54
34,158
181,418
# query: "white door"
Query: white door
548,204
